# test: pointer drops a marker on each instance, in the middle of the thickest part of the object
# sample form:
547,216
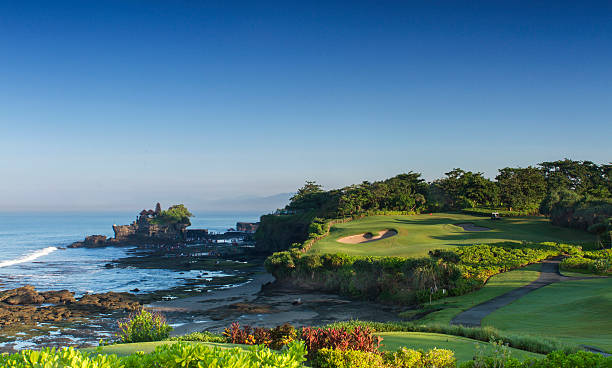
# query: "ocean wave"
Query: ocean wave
28,258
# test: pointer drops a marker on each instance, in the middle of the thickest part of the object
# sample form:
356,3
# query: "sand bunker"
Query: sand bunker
472,227
367,237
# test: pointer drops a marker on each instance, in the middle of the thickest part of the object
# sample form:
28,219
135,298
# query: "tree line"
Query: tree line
573,193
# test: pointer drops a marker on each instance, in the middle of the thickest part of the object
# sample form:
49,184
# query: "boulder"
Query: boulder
21,296
59,297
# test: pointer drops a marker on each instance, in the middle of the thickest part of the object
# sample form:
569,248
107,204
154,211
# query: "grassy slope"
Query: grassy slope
463,347
422,233
497,285
575,311
147,347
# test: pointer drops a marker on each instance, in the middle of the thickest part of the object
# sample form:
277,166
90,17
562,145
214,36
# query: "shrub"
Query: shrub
274,338
598,262
52,358
335,358
143,326
359,338
187,355
408,280
403,358
503,213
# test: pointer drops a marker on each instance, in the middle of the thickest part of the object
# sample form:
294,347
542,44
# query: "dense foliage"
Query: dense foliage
177,214
598,262
408,280
521,188
461,189
186,355
583,212
486,212
183,355
356,339
403,358
143,326
275,338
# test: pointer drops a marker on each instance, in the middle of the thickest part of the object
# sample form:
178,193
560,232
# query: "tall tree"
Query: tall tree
521,188
467,189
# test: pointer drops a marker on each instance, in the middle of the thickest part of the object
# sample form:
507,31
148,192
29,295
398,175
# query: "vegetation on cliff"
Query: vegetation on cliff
409,280
177,214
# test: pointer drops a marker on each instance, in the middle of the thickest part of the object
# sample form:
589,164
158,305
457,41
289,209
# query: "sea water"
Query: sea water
31,253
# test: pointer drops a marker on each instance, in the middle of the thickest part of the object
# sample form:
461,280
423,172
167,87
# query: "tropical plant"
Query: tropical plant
143,326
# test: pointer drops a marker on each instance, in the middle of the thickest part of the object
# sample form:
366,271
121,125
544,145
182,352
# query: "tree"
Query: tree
582,177
467,189
177,214
521,188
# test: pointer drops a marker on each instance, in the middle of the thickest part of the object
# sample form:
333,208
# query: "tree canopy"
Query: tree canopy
177,214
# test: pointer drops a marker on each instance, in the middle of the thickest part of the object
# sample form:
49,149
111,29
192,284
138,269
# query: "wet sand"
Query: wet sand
268,307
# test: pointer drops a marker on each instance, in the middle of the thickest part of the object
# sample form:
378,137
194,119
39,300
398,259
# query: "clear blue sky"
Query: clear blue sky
118,104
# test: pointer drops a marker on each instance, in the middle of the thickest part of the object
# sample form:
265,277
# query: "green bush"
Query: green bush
502,212
181,354
203,336
598,262
408,280
334,358
143,326
185,355
61,358
403,358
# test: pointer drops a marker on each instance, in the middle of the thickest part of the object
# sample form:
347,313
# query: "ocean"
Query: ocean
31,252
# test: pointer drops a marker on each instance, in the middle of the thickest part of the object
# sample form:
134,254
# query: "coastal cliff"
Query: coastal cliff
150,227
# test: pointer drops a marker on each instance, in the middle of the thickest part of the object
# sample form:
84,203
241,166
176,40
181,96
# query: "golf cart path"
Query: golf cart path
548,275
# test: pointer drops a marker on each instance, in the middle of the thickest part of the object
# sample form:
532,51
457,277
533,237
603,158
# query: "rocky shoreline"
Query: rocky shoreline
25,305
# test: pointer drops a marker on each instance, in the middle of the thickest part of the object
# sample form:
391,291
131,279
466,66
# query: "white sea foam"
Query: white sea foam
28,258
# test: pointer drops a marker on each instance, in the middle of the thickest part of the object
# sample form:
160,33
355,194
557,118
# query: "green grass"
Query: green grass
573,311
419,234
497,285
147,347
463,347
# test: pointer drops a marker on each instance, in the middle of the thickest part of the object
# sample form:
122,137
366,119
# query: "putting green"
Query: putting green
573,311
464,348
419,234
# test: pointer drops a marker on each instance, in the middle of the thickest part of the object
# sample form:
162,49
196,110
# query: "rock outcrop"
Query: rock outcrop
150,227
26,305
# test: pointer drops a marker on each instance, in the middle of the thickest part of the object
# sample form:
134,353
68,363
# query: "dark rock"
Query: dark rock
135,290
21,305
24,295
59,297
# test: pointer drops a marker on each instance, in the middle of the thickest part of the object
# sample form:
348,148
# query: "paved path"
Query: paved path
549,274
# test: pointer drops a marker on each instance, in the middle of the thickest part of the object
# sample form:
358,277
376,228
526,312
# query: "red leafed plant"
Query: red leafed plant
274,338
340,338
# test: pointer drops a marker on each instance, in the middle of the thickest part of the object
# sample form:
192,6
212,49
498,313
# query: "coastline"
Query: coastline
199,275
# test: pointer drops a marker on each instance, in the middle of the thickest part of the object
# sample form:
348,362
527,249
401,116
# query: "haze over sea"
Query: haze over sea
30,252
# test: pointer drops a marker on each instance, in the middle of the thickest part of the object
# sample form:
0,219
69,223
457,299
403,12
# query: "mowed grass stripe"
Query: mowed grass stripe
574,311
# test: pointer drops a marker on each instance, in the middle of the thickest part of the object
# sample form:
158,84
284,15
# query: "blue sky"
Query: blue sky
117,104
